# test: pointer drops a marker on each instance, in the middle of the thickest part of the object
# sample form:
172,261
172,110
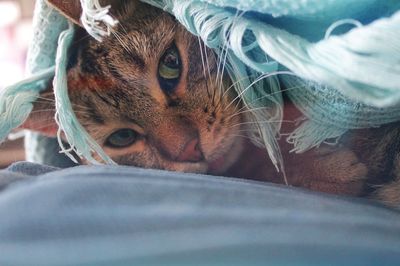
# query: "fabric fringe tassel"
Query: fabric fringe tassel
329,114
79,140
16,102
311,135
96,20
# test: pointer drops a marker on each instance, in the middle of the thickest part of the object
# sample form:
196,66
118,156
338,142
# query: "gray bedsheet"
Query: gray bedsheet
109,215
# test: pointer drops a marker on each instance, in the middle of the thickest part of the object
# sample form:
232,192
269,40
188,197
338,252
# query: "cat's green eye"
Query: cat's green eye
122,138
169,69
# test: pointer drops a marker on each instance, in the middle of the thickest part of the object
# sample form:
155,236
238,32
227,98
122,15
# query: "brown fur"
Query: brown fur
113,85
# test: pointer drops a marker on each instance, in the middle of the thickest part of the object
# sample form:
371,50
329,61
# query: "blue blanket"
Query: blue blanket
114,215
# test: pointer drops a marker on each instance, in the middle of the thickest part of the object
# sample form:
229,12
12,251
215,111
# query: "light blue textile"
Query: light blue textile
41,55
104,215
323,10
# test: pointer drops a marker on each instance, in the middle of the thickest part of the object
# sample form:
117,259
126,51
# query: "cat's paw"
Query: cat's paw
339,165
330,169
388,194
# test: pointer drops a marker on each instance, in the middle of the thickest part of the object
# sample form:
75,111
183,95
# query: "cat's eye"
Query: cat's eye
122,138
169,69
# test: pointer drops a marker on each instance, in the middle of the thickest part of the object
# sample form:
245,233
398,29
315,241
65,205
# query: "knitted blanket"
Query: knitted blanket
339,62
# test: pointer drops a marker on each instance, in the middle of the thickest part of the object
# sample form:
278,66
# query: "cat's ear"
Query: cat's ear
41,119
70,8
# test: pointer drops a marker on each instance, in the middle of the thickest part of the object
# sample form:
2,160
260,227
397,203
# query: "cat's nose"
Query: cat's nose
192,152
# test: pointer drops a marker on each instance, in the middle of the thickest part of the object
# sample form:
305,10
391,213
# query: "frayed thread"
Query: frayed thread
311,135
16,102
79,140
96,19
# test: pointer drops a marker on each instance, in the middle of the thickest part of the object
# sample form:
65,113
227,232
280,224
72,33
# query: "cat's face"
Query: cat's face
153,96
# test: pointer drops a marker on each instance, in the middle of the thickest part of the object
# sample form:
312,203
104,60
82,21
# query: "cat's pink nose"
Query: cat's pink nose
192,152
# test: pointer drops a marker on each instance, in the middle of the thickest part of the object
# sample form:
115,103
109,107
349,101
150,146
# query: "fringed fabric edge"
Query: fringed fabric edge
16,102
79,140
96,19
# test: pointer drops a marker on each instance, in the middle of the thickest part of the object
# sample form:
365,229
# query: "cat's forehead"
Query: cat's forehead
132,50
143,27
135,44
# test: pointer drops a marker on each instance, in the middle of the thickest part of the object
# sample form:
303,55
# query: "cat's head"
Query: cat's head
151,94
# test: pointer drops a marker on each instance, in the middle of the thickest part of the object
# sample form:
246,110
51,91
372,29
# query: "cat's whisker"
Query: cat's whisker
205,62
42,111
258,79
232,86
226,48
119,36
44,102
245,90
244,107
81,107
241,111
52,111
82,112
44,124
45,98
256,123
246,137
77,41
220,82
209,74
206,55
225,57
227,90
249,130
122,26
260,122
267,75
260,98
223,54
242,92
204,67
277,92
51,101
120,40
220,76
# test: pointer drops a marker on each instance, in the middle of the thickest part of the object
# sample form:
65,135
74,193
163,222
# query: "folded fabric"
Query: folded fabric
115,215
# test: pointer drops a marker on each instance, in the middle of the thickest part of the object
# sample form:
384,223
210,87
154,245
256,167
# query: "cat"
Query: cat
149,95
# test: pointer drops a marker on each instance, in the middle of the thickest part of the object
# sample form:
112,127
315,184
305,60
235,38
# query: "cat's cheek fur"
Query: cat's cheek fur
220,164
142,159
200,168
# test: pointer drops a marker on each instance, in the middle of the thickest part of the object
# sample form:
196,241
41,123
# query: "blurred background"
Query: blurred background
15,34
